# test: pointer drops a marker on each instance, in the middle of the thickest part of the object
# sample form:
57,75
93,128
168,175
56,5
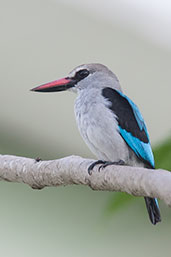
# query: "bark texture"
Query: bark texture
73,170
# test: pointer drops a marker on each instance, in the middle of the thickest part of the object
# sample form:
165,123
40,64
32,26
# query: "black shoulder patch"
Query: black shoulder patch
125,115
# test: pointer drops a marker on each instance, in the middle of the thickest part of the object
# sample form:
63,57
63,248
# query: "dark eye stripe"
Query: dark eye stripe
81,74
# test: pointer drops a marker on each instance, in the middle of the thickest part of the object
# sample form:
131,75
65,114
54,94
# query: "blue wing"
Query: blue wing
131,124
141,149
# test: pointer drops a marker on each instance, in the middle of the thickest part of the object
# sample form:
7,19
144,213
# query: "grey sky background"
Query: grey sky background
149,19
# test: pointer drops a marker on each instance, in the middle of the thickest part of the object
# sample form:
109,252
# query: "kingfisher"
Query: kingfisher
109,121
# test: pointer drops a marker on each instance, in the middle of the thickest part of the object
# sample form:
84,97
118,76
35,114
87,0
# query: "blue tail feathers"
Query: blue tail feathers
153,209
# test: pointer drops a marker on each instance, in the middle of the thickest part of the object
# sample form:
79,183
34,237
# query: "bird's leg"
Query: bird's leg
91,167
104,165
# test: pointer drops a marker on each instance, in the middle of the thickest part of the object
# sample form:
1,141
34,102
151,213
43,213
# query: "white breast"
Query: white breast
99,128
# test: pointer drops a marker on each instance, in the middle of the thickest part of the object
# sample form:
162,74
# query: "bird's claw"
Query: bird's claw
120,162
103,165
91,167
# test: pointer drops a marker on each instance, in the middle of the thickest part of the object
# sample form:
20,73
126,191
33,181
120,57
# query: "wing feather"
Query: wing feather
131,124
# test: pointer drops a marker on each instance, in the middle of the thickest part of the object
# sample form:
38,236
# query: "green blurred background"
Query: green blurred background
42,41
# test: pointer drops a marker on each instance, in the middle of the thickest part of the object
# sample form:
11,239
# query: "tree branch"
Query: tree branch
73,170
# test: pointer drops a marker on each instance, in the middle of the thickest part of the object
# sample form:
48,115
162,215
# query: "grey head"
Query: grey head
83,77
93,75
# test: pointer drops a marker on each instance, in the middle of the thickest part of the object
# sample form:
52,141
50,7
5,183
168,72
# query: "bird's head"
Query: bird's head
83,77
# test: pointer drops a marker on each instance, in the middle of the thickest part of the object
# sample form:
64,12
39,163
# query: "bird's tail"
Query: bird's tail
153,209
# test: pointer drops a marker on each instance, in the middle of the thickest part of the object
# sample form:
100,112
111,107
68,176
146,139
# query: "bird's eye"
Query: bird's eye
81,74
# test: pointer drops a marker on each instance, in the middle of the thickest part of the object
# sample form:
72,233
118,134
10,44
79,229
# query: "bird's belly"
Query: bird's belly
102,136
107,146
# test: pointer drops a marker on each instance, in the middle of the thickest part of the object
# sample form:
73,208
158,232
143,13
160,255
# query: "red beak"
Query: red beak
54,86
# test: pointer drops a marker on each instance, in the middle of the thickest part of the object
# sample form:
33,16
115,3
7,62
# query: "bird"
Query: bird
109,121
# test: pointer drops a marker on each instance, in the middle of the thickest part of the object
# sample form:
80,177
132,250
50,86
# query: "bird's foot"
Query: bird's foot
91,167
103,165
120,162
